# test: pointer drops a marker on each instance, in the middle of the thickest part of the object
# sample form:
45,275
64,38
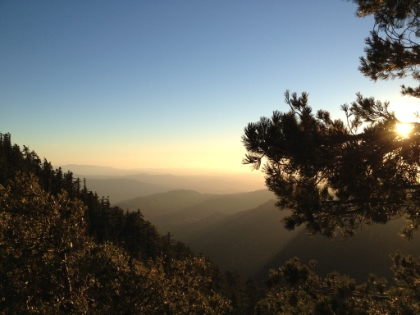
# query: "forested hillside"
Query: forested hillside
65,250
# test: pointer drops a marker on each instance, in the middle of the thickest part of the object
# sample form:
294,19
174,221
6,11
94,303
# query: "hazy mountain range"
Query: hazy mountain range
121,184
241,231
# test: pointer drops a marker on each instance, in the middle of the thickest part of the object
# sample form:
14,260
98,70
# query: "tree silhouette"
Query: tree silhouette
337,175
393,48
332,176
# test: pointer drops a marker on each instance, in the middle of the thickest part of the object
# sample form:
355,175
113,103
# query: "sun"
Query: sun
406,112
403,128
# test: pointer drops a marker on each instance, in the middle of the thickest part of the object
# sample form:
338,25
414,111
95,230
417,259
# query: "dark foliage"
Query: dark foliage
393,49
104,222
56,233
332,176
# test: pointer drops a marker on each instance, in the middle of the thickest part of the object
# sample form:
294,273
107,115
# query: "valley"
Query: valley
243,232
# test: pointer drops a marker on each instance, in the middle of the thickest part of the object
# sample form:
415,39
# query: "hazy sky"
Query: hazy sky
171,83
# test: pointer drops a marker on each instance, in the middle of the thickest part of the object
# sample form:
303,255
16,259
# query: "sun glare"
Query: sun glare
403,128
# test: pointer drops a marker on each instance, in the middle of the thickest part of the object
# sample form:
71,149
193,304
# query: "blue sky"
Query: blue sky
171,83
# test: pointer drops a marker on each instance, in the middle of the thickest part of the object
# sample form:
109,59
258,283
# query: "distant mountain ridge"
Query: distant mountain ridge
242,231
121,184
96,170
167,205
119,189
165,202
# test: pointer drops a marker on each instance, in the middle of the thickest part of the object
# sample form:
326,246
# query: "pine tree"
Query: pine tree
332,176
339,175
393,48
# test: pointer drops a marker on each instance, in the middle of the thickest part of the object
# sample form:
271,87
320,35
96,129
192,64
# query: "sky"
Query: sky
172,84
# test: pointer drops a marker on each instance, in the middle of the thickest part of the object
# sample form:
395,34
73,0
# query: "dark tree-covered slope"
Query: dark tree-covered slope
65,250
